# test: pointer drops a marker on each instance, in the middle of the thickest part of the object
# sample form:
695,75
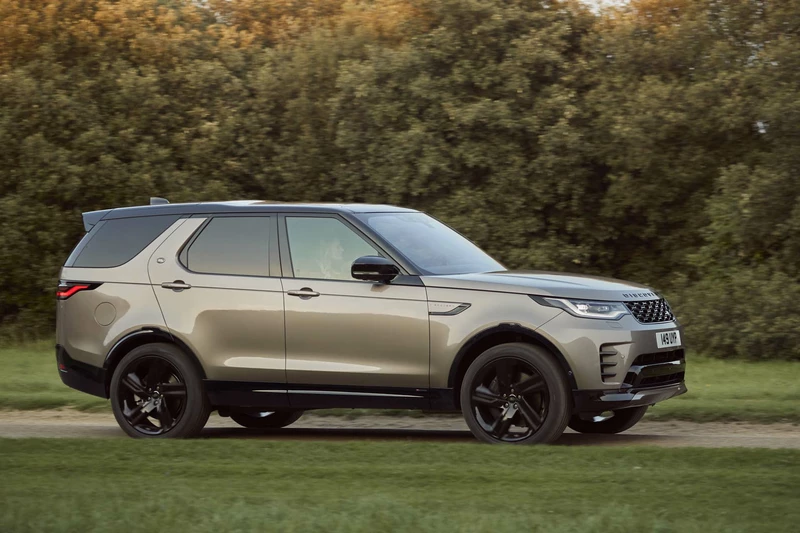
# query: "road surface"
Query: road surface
70,423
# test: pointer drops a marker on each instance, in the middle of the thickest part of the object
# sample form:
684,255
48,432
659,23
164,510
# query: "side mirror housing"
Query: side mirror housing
374,268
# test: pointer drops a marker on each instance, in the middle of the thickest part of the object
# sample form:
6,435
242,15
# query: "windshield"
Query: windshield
433,247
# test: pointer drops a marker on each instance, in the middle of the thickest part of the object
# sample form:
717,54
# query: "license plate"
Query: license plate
668,339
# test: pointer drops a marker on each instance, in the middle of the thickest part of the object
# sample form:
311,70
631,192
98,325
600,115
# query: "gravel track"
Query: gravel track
70,423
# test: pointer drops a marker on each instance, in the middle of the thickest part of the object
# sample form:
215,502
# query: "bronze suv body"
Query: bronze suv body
272,309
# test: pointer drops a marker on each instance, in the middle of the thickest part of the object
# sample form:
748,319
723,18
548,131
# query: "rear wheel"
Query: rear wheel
619,421
515,393
266,419
156,391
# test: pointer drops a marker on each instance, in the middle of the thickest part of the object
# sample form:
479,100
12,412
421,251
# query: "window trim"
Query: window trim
273,264
287,269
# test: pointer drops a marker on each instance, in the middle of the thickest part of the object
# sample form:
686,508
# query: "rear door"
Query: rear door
213,279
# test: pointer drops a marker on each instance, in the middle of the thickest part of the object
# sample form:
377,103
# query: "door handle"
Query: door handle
177,285
305,292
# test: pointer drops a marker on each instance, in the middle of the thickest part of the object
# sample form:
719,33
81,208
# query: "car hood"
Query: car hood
545,284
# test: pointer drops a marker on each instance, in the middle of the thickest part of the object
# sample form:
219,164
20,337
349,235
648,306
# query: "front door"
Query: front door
349,340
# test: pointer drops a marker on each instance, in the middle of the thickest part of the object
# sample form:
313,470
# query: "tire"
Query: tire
266,420
537,396
157,392
622,420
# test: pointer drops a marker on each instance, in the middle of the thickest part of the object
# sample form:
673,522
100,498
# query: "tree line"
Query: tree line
657,142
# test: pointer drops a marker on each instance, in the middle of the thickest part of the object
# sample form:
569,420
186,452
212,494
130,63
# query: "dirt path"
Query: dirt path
70,423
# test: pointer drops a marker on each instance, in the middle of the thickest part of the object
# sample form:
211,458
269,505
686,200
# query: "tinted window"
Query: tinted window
115,242
231,245
324,248
433,247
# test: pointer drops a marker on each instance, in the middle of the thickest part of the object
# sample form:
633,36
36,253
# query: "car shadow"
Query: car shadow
426,435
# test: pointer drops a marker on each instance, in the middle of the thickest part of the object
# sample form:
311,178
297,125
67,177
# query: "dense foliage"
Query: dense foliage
659,142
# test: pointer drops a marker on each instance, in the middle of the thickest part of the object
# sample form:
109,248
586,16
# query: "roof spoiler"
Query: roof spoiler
90,218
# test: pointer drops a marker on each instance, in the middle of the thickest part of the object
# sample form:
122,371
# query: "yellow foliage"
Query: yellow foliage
386,21
654,14
275,21
152,32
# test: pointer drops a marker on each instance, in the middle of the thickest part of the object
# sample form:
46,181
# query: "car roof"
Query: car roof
241,206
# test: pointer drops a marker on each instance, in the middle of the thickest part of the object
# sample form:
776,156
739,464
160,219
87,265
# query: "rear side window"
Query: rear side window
231,245
115,242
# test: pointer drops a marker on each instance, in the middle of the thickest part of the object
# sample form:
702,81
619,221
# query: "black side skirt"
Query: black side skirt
302,396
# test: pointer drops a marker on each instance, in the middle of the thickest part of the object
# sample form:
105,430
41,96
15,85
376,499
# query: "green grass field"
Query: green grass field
718,390
223,485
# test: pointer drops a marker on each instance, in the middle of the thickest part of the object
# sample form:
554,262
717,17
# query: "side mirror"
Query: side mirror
374,268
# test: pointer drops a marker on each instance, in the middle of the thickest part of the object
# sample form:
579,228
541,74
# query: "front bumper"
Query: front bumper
597,401
601,353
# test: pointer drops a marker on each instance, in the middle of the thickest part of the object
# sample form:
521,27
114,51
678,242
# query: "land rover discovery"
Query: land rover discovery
261,311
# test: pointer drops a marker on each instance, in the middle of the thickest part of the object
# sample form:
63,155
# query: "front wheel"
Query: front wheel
515,393
266,419
621,420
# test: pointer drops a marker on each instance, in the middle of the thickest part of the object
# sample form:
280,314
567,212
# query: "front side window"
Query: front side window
324,248
231,245
433,247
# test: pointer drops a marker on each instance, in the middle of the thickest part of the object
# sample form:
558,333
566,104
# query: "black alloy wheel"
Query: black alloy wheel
157,392
152,395
515,393
510,399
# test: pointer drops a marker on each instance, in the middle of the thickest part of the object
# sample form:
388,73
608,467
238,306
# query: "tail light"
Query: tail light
69,288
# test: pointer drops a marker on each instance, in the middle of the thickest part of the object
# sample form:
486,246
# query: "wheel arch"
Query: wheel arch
500,334
138,338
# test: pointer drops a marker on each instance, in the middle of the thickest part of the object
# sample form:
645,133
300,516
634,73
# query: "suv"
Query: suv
264,310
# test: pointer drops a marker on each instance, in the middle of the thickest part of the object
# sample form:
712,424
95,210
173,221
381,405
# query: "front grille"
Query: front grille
659,357
650,311
668,379
653,369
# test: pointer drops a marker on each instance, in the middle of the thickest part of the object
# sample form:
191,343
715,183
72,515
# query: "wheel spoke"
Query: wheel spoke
501,427
484,396
533,384
134,383
136,415
155,373
164,416
173,389
530,415
503,367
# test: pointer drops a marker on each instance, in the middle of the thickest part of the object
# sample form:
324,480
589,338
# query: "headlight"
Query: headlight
586,308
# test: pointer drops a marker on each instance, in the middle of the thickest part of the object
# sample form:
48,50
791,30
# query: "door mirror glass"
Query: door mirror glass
374,268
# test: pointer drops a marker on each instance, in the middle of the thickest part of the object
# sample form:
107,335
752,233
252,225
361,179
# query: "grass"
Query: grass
30,380
728,391
222,485
718,390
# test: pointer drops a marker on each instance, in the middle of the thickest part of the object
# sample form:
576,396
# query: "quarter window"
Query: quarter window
231,245
112,243
324,248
